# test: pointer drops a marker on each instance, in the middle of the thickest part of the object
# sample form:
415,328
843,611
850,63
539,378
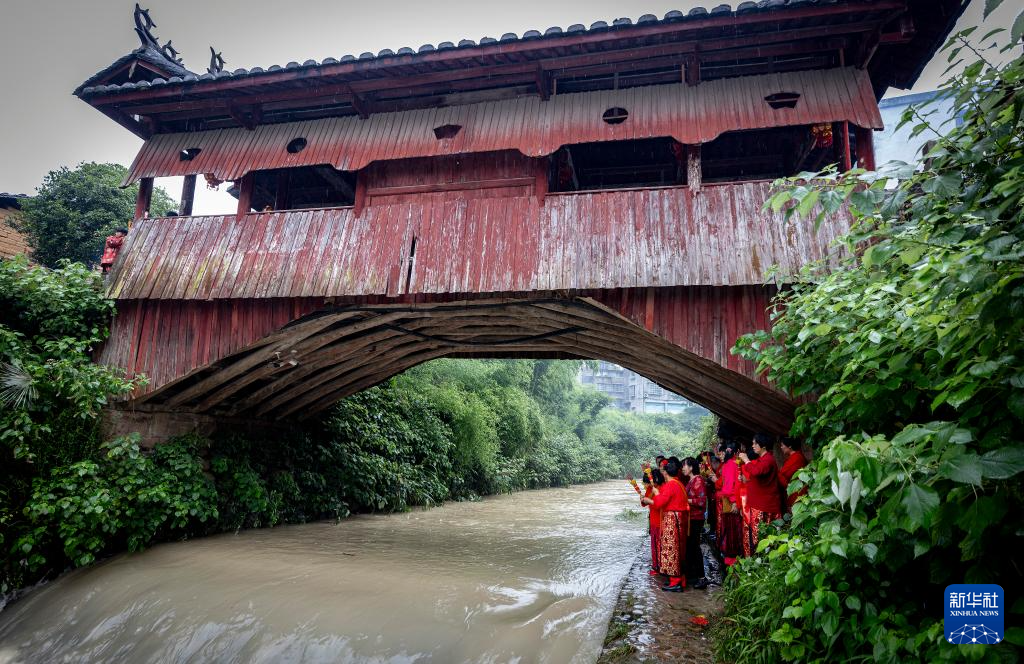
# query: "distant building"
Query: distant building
892,144
630,391
12,242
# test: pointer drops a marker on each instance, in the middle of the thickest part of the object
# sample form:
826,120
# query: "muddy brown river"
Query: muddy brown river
531,577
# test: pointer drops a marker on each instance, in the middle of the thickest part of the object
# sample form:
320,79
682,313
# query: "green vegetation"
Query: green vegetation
915,351
450,429
75,210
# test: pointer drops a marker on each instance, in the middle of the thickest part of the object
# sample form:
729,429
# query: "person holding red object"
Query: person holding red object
763,495
671,499
653,521
727,490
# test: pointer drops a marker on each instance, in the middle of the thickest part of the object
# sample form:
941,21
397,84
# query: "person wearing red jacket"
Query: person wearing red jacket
671,499
795,460
764,498
111,247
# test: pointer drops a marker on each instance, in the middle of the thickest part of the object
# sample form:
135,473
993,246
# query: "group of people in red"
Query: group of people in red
735,492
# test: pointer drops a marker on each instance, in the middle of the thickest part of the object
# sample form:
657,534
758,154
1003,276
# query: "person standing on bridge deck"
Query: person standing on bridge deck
763,495
795,460
111,247
697,498
670,498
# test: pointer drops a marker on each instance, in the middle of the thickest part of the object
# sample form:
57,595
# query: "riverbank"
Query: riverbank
649,625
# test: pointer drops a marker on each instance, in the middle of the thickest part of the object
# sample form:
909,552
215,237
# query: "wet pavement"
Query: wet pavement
651,625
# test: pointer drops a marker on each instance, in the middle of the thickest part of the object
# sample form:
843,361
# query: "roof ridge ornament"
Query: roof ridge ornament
216,62
144,25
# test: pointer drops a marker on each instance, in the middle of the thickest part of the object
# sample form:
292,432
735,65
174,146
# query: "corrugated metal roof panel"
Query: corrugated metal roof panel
696,114
612,239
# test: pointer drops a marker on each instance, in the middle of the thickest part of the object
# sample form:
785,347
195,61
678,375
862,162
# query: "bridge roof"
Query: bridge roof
689,114
892,39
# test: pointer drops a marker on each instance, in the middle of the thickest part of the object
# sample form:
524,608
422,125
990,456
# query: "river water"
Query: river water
531,577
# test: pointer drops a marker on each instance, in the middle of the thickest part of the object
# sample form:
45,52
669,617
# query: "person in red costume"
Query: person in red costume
671,499
727,489
795,460
763,495
111,247
654,479
697,497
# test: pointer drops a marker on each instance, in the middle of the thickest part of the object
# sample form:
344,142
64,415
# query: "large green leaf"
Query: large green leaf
1003,463
920,503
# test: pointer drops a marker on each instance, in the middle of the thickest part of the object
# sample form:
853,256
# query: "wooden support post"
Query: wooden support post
692,70
281,196
865,148
188,195
844,131
144,197
541,186
245,188
693,168
360,199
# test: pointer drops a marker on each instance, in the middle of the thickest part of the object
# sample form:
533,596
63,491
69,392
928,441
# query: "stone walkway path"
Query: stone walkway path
650,625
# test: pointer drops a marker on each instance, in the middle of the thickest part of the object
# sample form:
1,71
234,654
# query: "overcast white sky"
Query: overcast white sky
48,47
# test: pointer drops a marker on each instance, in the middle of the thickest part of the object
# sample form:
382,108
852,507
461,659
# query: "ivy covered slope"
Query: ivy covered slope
914,350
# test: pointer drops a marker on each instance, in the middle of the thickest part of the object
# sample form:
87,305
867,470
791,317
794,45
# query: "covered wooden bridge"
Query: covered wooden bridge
582,193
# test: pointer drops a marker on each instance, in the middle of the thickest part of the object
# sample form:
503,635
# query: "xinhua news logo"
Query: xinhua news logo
974,613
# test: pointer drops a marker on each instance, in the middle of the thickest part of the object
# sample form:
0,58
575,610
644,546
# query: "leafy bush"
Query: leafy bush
51,392
124,500
915,350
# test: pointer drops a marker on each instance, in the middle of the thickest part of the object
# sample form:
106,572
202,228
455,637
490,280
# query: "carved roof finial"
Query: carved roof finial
216,62
170,52
144,27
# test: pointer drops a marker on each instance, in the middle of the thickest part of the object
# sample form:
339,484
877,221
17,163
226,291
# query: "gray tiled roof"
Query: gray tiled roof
552,33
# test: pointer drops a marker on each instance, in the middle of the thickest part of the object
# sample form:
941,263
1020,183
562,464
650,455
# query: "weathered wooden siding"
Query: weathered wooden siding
612,239
690,114
467,176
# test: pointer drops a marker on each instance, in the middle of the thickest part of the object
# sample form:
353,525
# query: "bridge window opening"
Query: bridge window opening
303,188
614,116
447,131
188,154
649,162
296,145
783,99
765,154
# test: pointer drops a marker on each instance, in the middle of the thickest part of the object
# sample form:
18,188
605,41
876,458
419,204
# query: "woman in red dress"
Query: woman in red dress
671,499
795,460
697,498
763,495
727,489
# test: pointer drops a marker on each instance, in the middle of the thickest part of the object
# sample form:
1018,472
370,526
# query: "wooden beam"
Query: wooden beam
188,194
844,146
543,83
692,67
693,168
245,191
865,148
143,199
281,195
451,186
